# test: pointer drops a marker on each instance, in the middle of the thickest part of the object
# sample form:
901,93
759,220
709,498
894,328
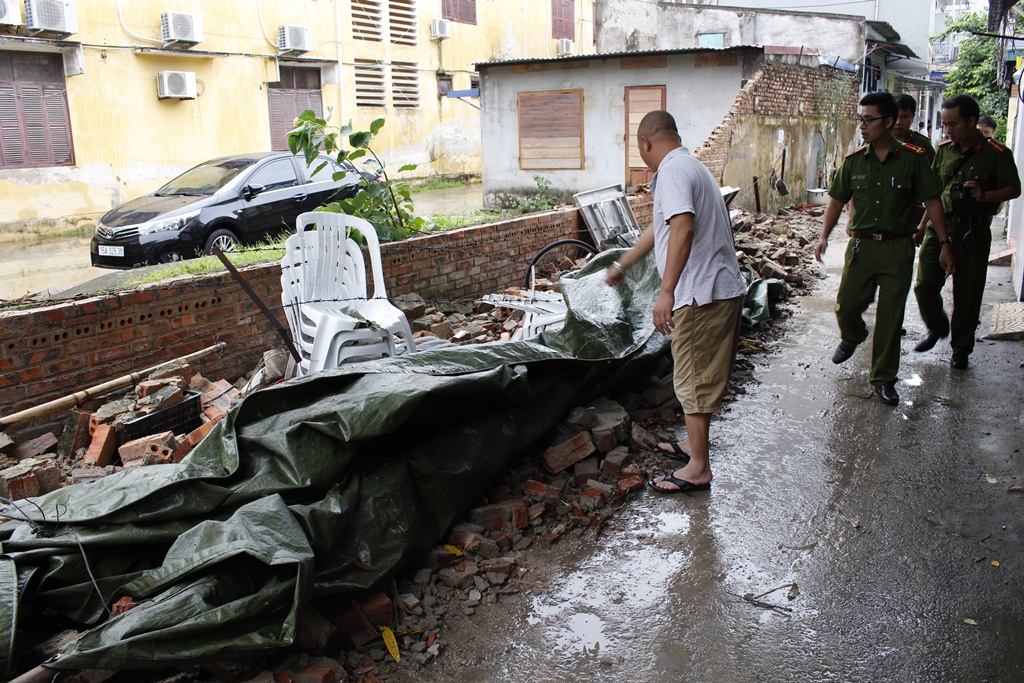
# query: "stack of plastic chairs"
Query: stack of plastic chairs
333,318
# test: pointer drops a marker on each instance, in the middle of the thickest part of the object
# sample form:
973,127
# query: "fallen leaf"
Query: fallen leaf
972,622
991,480
794,591
457,552
995,563
1015,488
391,643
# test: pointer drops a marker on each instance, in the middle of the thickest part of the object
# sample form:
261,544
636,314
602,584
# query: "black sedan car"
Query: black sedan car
240,199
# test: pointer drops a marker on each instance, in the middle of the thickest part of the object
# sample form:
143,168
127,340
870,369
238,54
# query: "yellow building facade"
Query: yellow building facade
105,100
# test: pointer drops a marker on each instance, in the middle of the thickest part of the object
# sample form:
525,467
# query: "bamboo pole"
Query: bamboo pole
80,397
40,674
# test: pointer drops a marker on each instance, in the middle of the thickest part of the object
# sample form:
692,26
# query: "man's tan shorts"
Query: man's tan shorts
704,340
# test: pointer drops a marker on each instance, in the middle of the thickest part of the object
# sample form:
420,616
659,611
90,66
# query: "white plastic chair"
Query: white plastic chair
323,289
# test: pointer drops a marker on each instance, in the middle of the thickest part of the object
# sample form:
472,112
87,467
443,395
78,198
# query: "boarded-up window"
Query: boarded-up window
370,83
297,91
551,129
35,128
563,19
463,11
366,20
405,85
402,22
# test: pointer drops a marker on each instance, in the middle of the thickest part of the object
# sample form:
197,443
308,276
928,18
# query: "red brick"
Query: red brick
316,674
37,446
161,446
377,608
633,482
25,486
101,450
503,515
568,453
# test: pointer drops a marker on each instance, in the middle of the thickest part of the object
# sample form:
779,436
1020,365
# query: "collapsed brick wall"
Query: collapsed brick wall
777,90
52,351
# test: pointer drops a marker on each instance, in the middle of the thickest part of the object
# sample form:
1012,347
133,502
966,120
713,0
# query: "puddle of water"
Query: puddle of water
51,265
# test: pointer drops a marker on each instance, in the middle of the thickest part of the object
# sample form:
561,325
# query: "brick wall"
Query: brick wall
54,350
776,90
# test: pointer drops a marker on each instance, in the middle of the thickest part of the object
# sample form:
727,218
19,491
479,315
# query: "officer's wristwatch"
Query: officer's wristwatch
946,241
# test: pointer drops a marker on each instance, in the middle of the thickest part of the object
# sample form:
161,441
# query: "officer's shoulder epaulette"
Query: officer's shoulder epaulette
914,148
945,142
998,147
859,149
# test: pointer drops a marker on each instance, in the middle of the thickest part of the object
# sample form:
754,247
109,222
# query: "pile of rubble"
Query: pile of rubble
574,481
157,422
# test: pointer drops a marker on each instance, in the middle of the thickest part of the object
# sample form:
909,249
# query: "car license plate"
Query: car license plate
106,250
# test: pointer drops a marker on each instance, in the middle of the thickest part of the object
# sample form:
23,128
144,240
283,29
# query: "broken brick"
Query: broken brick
123,605
633,482
163,398
48,477
376,608
101,450
535,489
18,482
459,575
6,444
615,459
535,511
502,515
35,447
161,446
568,453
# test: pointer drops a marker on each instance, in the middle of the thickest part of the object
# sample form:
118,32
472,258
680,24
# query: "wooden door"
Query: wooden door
639,101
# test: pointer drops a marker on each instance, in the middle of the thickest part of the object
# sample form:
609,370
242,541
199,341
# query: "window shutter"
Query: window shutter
467,11
563,20
12,148
551,130
278,131
35,124
58,125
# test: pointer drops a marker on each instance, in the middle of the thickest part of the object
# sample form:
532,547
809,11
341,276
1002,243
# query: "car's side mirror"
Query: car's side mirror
250,191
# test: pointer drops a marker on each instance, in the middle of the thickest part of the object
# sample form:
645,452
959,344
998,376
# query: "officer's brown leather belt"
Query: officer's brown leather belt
879,236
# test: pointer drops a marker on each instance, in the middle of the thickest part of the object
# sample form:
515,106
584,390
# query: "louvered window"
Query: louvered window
366,20
297,91
563,19
370,83
35,128
405,85
463,11
402,22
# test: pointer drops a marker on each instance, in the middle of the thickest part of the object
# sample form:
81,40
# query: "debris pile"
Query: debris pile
778,246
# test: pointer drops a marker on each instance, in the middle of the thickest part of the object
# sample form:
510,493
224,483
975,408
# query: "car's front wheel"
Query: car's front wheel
225,239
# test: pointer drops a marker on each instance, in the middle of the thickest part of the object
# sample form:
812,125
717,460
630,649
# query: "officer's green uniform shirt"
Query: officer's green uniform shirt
987,162
922,141
885,193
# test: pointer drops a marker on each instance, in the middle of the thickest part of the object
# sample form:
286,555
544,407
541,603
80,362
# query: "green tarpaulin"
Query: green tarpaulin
316,487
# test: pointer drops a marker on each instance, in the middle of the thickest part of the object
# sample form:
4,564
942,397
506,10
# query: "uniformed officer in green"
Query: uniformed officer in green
977,174
903,129
886,180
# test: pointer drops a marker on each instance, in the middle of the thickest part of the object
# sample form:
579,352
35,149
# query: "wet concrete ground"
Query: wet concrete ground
895,523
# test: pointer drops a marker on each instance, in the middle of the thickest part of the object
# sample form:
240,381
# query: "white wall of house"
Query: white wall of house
643,25
698,97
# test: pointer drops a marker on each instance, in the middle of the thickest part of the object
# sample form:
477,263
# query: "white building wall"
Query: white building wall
698,97
643,25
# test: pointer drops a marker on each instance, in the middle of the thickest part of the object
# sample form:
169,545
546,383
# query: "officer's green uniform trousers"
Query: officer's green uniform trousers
972,240
888,268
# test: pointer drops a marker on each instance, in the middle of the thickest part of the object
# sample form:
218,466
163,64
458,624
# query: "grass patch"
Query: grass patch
438,184
265,251
460,220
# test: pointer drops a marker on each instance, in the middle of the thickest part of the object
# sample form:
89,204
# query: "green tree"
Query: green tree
977,68
387,204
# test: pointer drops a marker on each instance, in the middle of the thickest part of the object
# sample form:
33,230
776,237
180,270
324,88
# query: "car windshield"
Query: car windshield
205,179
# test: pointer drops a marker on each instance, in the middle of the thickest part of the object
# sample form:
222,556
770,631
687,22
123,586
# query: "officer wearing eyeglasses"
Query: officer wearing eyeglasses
886,179
977,173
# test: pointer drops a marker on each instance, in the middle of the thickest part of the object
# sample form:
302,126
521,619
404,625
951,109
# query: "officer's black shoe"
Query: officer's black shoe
843,352
928,341
887,393
958,360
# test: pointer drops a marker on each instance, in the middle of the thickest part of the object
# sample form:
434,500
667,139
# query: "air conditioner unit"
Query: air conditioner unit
181,27
179,85
10,13
440,29
56,16
564,47
294,38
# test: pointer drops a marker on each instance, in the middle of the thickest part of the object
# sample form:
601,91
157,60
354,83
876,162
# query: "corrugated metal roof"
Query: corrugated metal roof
615,55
